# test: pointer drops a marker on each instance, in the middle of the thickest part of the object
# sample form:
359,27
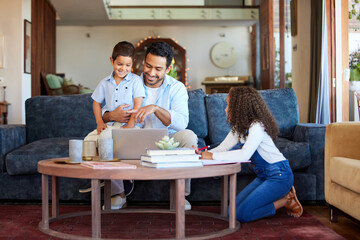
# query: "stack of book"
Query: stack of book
178,157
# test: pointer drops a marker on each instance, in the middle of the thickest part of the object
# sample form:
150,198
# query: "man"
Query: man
166,105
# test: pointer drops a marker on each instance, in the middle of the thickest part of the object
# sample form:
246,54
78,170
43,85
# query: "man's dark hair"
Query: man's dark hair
124,49
161,49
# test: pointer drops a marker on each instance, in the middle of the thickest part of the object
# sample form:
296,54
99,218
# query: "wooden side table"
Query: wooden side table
223,84
4,111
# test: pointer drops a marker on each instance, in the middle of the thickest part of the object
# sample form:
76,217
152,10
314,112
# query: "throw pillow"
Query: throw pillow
53,81
67,82
86,90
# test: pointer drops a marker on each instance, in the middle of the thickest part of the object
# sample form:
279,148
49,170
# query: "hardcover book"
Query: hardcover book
170,158
172,165
175,151
108,165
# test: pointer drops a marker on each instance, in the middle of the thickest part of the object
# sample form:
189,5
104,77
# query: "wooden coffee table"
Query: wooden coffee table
176,176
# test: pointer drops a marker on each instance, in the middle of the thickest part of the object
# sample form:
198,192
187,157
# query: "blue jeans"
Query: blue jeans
273,182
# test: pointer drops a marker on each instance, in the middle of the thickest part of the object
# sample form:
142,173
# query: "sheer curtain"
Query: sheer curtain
319,82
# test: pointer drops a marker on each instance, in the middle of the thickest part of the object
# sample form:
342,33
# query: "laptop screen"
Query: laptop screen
132,143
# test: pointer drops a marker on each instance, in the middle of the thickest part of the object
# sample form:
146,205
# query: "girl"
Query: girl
255,128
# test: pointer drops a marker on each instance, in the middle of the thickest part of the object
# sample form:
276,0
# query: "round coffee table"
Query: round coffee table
177,177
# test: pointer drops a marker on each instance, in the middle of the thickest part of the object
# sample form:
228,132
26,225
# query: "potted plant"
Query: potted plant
354,65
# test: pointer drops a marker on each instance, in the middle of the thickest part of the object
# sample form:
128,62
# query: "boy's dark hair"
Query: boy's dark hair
124,49
161,49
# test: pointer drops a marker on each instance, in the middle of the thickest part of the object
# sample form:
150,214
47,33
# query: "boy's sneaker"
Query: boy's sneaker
187,205
118,202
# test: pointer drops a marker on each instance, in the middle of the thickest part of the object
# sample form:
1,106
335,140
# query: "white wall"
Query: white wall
86,59
301,59
11,26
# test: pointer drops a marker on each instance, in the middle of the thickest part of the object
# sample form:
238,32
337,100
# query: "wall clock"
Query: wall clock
223,55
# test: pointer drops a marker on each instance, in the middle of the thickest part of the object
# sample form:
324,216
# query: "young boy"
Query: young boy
121,89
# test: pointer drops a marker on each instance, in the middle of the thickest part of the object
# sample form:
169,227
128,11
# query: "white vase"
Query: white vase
354,86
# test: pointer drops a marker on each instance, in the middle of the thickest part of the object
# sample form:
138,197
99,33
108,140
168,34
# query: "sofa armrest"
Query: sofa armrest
342,140
11,136
314,134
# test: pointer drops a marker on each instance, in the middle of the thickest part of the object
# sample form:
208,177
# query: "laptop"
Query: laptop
132,143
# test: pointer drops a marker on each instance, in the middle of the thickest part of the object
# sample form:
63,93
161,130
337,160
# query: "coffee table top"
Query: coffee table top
51,167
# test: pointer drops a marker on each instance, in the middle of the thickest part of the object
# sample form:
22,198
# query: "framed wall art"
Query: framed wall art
293,12
27,46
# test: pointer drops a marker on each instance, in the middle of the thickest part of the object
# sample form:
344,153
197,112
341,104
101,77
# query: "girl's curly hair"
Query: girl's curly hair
246,106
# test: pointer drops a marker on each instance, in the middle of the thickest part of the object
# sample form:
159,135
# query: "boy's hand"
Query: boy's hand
206,155
100,127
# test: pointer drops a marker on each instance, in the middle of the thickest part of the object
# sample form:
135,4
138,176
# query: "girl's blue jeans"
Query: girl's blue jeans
273,182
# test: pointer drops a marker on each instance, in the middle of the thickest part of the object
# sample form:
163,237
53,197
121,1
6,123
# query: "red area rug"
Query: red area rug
21,222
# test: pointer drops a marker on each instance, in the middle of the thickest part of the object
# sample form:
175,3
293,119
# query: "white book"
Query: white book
175,151
172,165
170,158
219,162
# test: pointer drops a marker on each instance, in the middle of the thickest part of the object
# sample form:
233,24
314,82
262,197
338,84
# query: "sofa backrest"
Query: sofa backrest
197,113
282,103
72,116
59,116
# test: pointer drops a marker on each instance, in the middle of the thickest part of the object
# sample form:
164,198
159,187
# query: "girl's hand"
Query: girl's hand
196,150
100,127
206,155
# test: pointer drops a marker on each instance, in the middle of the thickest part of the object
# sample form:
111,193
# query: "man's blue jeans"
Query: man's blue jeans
273,182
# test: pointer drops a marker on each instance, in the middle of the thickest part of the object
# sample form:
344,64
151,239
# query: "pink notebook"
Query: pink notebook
108,165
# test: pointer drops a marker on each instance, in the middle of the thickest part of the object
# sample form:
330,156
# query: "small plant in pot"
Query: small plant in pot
354,65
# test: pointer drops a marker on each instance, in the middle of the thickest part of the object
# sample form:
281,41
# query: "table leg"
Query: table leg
95,208
5,117
107,194
232,208
224,195
45,200
55,197
172,195
180,208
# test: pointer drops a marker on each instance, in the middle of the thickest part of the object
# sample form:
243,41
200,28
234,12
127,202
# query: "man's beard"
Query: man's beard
154,83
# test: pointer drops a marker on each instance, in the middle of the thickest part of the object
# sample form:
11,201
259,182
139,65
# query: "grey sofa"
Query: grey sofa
52,121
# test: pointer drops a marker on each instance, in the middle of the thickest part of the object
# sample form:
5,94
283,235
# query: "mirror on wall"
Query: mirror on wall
179,57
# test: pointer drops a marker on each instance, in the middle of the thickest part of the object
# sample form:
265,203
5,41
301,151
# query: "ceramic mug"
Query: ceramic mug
106,149
75,151
89,149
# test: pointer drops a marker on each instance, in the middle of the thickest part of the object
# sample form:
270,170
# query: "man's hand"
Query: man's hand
145,111
118,115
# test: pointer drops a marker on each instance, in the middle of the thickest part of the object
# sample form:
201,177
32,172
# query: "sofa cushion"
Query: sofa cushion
24,159
345,172
298,153
59,116
197,113
218,125
54,81
283,105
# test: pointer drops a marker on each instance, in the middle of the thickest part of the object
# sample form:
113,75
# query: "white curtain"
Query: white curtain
323,102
